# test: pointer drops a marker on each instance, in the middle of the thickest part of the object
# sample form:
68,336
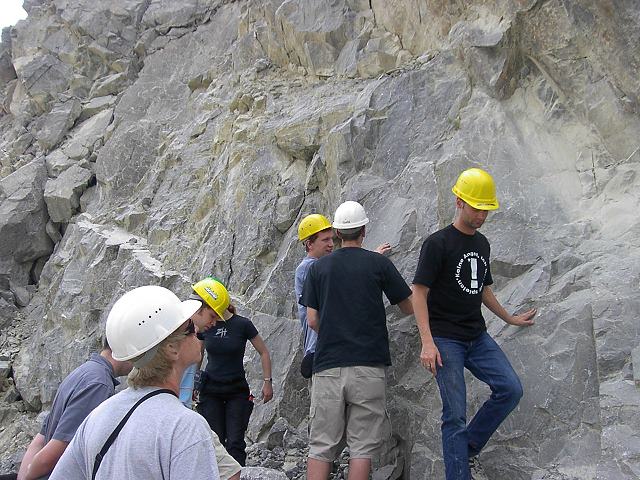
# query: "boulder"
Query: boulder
96,105
23,215
52,127
111,84
57,162
42,77
378,56
62,194
84,137
7,72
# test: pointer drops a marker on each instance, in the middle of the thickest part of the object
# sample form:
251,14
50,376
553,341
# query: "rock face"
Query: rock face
204,131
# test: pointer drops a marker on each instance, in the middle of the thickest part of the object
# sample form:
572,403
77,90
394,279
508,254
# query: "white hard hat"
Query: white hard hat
349,215
144,317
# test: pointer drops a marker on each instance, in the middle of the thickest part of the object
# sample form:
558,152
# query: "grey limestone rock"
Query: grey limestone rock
260,473
69,277
57,162
85,136
214,127
5,367
62,194
52,127
96,105
109,85
23,215
41,77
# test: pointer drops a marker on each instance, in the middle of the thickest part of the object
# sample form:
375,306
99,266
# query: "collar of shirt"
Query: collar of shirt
96,357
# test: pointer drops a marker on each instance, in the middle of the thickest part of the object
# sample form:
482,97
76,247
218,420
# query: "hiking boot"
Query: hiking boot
476,470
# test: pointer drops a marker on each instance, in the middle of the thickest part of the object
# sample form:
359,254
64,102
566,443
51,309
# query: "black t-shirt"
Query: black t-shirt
225,344
455,267
346,288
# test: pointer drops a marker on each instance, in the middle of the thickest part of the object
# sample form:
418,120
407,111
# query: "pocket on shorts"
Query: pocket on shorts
369,385
369,372
326,385
329,372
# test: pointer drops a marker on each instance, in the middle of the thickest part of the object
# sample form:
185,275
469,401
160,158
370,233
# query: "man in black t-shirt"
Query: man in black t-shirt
343,295
452,281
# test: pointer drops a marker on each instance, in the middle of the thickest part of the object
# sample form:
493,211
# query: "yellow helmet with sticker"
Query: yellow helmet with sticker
214,294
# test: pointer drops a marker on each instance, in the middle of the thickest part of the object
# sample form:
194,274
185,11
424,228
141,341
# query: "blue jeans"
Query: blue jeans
486,361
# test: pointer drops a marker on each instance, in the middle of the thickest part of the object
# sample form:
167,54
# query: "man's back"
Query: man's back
78,394
346,288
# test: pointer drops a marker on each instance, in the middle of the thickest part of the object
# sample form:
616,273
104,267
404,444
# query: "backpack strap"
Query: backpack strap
114,434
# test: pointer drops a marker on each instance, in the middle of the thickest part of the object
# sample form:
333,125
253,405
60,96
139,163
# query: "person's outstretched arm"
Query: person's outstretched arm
491,302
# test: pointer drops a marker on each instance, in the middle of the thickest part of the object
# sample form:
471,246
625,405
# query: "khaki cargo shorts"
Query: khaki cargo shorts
227,465
349,401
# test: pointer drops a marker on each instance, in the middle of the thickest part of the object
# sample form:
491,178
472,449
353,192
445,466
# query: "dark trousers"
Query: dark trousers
228,416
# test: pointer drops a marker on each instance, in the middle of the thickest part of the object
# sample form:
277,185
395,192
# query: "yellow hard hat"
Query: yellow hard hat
214,294
476,187
312,224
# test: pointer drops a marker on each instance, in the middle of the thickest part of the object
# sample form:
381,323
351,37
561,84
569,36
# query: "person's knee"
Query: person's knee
512,392
454,420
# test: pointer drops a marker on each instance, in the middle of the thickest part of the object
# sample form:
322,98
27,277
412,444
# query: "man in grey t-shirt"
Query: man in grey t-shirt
137,453
153,329
79,393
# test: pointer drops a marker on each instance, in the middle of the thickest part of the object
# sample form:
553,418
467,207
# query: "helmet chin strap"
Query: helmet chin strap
146,357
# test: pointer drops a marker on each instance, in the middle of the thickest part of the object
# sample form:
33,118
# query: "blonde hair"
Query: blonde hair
158,369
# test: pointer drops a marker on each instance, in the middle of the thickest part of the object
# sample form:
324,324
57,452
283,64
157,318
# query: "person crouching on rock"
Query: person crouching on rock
144,431
225,399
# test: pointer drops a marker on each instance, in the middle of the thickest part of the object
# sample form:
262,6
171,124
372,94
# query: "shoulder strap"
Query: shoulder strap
114,434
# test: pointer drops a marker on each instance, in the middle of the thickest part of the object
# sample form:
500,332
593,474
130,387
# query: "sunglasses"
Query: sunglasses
191,328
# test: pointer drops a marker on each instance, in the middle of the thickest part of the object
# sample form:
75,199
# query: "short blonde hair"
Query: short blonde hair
158,369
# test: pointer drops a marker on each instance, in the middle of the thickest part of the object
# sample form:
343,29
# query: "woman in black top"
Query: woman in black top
225,400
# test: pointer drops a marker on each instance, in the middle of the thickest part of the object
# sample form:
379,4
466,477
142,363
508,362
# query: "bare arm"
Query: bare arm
34,447
42,461
313,319
265,359
383,248
406,306
429,356
491,302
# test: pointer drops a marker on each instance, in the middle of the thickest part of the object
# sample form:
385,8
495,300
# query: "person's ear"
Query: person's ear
172,349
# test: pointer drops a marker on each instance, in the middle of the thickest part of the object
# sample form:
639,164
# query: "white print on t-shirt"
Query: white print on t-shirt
474,283
221,332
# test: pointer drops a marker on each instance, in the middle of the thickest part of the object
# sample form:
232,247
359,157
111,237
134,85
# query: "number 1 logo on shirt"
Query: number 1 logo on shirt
474,285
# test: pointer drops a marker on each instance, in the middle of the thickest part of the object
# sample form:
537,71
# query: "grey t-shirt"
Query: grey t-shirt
161,440
310,336
85,388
